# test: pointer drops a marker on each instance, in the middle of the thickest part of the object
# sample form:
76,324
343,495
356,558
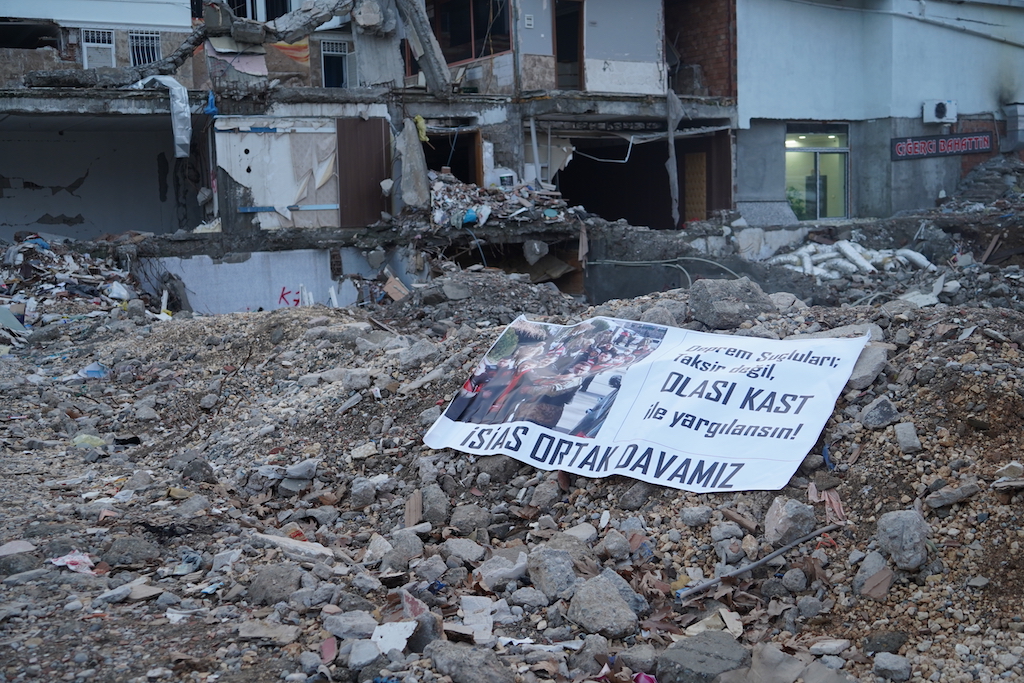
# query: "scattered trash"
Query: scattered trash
76,562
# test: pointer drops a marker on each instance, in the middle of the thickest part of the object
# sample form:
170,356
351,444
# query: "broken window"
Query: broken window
334,55
97,48
28,36
277,8
470,29
240,8
144,47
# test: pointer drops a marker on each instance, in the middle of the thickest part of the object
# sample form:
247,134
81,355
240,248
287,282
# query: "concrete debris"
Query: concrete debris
316,536
454,205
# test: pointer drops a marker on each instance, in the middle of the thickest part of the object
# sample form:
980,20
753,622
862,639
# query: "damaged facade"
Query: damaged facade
313,125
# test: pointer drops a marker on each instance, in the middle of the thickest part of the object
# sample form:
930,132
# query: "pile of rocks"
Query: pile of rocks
256,502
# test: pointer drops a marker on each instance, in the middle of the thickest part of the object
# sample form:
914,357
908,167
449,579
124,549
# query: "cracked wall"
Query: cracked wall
82,184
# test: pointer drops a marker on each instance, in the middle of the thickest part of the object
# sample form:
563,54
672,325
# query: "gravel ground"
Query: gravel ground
167,473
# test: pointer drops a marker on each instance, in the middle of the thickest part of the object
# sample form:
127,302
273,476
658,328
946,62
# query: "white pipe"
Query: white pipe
847,249
917,258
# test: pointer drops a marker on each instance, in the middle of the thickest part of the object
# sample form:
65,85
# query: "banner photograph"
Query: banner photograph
689,410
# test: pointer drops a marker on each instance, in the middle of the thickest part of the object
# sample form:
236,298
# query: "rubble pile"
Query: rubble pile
247,497
48,283
454,204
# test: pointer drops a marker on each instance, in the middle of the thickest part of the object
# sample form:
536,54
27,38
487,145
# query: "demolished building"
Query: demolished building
317,128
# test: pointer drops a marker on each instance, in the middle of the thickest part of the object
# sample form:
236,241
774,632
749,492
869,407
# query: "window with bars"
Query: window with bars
144,47
97,48
334,55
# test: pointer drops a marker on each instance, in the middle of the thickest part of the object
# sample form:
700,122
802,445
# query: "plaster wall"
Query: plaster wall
539,39
248,282
283,163
761,162
153,14
82,184
15,63
867,59
624,53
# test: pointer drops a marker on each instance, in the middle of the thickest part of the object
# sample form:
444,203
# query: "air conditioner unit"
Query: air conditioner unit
939,111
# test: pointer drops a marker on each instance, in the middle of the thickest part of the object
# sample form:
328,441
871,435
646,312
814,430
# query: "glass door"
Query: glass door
817,168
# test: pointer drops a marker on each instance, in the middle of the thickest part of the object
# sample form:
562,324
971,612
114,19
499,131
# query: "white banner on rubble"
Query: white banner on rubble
689,410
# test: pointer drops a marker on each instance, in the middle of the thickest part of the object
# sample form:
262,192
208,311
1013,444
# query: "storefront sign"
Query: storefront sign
689,410
940,145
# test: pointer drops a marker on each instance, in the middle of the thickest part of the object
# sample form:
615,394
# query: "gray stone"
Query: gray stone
774,588
878,414
659,315
469,518
367,583
431,568
356,624
1011,470
701,658
199,470
363,493
435,505
636,602
835,646
467,664
869,364
130,550
875,332
529,597
696,516
456,291
641,658
420,353
309,661
429,416
726,530
363,653
616,545
496,573
115,595
885,641
584,531
18,563
872,563
904,535
551,572
809,606
22,578
140,480
222,561
547,493
274,584
906,437
637,495
583,659
597,607
208,401
579,550
501,467
405,546
949,495
137,309
730,550
192,506
787,520
892,667
795,580
725,304
463,549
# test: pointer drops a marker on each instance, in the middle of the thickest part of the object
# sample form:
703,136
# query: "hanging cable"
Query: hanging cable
629,151
480,248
